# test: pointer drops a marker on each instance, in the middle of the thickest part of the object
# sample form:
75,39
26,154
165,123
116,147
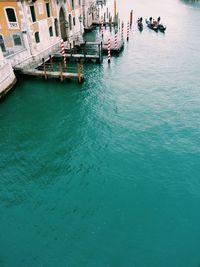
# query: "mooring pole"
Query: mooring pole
122,37
116,39
115,9
128,29
51,61
61,72
79,72
108,49
131,18
44,68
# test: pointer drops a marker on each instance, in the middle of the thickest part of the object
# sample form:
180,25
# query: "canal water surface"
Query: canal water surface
107,173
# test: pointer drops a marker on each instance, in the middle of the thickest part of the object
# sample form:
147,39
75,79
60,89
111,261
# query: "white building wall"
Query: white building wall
7,76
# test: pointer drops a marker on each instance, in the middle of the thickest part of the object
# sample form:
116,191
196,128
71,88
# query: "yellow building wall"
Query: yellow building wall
4,29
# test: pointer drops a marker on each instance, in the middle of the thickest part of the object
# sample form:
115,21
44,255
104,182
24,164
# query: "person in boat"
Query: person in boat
158,19
154,23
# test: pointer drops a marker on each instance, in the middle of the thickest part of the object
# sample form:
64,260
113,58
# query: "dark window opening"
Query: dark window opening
72,4
37,37
11,15
50,31
32,8
70,22
48,10
17,40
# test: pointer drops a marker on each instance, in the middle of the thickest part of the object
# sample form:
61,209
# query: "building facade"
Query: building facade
31,30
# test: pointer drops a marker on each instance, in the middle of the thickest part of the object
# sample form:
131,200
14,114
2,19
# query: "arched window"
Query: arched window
37,37
50,31
2,44
17,40
11,17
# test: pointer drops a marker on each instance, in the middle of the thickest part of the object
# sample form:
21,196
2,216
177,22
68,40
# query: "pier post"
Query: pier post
116,39
102,27
79,72
131,18
61,73
51,61
115,9
122,36
70,49
128,29
44,68
109,50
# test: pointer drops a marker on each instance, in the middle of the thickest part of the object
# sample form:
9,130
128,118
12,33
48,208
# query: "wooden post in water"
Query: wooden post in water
79,72
122,31
116,39
115,9
128,29
51,62
61,73
108,49
44,68
131,18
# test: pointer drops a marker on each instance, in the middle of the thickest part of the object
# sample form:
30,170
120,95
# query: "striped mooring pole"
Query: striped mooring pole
128,29
131,18
63,52
116,39
122,31
108,49
102,27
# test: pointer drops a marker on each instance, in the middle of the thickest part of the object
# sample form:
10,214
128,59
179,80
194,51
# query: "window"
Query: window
17,39
37,37
11,17
32,9
56,27
48,10
72,4
2,45
74,21
70,22
50,31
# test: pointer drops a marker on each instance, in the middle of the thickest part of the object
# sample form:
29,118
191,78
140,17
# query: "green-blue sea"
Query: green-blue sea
107,173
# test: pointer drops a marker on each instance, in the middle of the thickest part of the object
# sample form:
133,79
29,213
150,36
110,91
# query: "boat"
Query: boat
151,26
161,28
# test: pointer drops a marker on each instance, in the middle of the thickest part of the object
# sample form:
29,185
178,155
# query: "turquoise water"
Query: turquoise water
107,173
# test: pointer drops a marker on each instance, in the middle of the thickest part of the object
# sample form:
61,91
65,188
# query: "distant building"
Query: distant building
90,14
